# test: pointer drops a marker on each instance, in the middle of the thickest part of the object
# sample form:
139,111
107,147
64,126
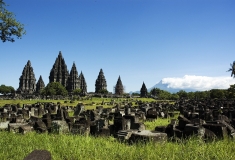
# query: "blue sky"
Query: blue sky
140,40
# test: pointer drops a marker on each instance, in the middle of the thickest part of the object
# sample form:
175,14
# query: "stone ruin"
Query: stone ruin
122,121
208,120
39,155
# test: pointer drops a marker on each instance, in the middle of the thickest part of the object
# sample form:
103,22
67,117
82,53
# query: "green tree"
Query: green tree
9,26
231,91
202,94
54,88
155,91
6,89
77,91
103,91
217,93
182,94
135,94
191,95
174,96
165,95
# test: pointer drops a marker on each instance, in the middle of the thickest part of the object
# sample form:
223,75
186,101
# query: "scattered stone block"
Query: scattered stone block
39,155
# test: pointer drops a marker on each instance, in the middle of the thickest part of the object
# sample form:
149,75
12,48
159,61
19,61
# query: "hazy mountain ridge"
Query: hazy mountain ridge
165,87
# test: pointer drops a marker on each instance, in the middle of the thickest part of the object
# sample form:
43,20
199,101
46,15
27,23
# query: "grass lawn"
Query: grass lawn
72,147
89,104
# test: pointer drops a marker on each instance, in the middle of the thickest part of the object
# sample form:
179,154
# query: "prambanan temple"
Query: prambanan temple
100,83
119,89
143,90
59,73
27,82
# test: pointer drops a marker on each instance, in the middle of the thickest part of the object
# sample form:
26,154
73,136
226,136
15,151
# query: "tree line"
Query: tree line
55,88
213,93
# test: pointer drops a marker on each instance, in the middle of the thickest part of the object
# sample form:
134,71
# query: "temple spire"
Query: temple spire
28,63
27,84
83,85
143,90
100,83
119,89
73,80
60,54
40,84
59,72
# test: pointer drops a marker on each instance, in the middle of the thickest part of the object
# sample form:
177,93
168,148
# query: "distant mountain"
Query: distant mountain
165,87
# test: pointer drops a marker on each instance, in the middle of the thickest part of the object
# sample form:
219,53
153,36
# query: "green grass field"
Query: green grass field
75,147
89,104
71,147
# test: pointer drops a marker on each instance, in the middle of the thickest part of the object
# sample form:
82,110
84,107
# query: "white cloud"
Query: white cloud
200,83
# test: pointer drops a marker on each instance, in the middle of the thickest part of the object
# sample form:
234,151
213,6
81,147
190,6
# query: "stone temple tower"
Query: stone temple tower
40,84
59,72
83,85
73,80
119,89
143,90
27,84
100,83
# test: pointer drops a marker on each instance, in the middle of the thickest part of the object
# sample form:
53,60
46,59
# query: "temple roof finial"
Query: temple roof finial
29,63
60,53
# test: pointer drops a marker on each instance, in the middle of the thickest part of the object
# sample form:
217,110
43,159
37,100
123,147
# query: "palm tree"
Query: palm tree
232,69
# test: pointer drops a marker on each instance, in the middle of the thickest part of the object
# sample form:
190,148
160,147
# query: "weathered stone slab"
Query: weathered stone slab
160,129
117,124
81,129
59,126
146,135
126,124
138,126
35,118
14,127
25,129
151,114
79,109
124,135
183,121
192,130
134,119
39,155
40,126
4,125
220,130
231,130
